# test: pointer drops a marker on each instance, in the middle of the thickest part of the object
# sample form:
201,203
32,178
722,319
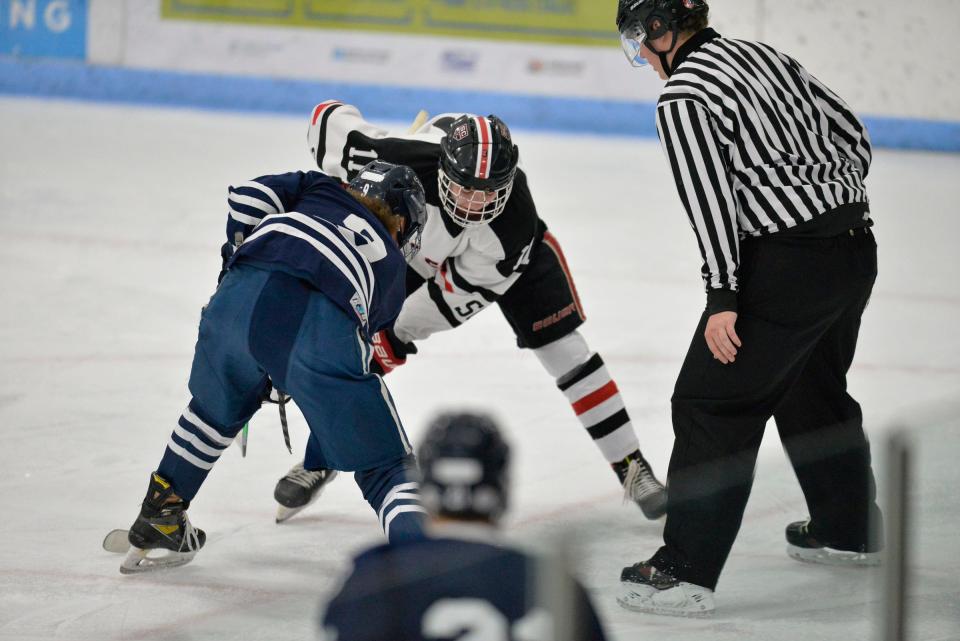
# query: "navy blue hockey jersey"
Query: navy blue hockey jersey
443,589
307,225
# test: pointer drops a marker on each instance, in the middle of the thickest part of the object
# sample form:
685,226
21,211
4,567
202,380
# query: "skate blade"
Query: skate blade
137,561
284,513
829,556
633,600
117,541
648,608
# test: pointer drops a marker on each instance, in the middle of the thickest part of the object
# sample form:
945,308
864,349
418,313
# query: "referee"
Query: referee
769,164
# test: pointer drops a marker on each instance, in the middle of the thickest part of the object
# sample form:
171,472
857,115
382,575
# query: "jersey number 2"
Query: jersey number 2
364,238
479,620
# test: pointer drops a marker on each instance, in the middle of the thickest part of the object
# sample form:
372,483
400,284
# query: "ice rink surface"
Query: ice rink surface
112,219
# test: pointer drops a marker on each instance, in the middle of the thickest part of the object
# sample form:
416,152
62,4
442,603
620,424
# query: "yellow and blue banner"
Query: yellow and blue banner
579,22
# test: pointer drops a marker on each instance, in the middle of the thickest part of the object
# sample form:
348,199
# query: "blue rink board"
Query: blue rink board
76,80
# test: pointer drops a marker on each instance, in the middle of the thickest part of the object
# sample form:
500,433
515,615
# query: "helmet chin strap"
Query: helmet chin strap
663,54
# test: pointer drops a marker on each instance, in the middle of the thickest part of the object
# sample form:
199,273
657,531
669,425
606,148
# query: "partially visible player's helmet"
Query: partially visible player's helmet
399,187
478,161
464,463
642,20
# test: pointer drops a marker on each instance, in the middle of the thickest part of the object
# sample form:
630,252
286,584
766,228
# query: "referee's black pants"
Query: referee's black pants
799,312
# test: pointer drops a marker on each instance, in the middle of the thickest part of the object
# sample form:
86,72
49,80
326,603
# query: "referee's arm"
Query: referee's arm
700,173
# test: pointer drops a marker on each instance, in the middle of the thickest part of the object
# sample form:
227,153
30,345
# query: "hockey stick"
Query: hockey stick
421,118
243,439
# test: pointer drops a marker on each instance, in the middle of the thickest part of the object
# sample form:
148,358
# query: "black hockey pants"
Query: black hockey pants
800,305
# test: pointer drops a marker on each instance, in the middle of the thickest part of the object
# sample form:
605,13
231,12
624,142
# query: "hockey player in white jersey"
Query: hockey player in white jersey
483,244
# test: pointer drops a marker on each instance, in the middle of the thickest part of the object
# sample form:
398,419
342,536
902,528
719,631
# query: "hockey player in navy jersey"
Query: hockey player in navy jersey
483,244
460,581
317,270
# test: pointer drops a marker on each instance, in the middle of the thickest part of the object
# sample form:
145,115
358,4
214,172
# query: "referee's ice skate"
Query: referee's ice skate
647,589
802,545
163,526
299,488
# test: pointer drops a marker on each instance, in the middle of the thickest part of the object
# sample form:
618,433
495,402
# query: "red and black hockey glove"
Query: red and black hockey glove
389,352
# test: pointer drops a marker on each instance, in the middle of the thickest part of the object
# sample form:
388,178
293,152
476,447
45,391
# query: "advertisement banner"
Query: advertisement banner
43,28
581,22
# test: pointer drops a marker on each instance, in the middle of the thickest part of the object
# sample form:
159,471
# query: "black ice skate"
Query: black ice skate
299,488
647,589
803,546
641,486
162,525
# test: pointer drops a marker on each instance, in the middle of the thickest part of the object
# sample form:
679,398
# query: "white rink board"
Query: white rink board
112,219
886,58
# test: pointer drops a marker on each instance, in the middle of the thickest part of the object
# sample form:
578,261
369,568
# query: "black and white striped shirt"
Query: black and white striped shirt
757,146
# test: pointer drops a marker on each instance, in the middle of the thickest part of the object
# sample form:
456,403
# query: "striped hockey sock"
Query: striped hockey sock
597,403
395,497
194,447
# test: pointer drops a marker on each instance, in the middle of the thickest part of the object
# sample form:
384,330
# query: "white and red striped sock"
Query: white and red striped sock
597,403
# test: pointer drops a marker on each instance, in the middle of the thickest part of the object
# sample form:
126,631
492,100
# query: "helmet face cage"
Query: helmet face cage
478,162
471,207
416,217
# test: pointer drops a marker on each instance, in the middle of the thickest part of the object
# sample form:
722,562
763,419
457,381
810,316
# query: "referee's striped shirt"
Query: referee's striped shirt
757,146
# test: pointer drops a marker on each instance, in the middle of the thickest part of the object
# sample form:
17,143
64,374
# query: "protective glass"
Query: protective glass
632,39
471,207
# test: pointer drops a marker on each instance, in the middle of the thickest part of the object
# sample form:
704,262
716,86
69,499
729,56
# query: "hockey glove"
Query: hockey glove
226,251
389,352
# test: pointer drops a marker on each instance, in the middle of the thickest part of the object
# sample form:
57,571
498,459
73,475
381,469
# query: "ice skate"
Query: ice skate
641,486
299,488
803,546
161,526
647,589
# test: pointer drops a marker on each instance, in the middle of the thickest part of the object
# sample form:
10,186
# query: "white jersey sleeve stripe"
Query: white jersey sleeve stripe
244,218
272,195
357,260
281,228
254,202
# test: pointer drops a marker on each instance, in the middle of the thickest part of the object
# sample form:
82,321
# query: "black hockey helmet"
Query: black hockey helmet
641,20
464,464
478,162
399,187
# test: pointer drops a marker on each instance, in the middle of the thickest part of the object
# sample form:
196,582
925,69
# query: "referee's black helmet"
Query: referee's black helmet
642,20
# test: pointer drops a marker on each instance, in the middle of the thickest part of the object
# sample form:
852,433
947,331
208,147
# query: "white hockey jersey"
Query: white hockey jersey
465,270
